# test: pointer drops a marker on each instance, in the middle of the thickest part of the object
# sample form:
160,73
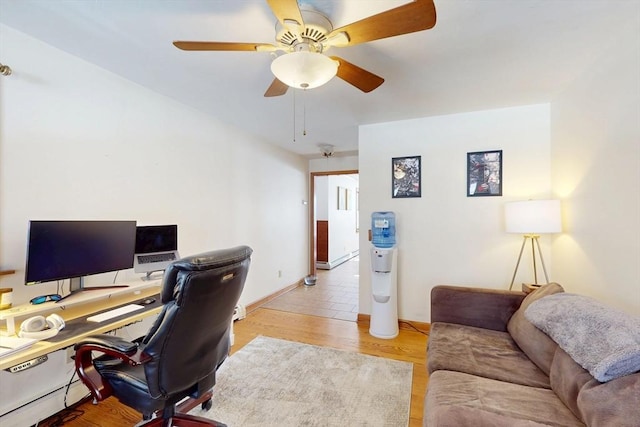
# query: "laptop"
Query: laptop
156,248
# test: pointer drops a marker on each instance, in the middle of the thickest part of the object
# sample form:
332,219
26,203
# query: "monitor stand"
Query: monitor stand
77,285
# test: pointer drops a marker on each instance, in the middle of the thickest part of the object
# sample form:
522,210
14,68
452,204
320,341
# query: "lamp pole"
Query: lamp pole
534,242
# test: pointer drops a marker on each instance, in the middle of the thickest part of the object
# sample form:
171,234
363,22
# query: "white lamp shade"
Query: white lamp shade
533,217
304,70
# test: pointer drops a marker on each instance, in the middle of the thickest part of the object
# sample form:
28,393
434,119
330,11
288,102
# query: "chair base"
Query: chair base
190,403
180,420
179,417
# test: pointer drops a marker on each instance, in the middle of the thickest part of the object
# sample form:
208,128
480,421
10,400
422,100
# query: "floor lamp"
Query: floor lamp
532,218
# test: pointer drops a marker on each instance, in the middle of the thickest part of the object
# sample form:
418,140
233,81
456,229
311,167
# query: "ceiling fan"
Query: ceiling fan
304,35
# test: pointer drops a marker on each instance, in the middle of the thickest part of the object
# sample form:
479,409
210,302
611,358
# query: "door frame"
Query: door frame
312,213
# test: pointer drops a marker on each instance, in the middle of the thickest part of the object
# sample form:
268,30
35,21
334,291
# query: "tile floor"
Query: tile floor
334,295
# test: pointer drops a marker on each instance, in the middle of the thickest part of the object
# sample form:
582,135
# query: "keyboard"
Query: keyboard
114,313
147,259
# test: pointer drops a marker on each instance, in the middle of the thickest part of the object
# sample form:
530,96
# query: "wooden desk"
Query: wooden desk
78,306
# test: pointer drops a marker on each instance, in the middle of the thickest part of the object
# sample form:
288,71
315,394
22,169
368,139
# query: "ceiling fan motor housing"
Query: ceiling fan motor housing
316,28
304,66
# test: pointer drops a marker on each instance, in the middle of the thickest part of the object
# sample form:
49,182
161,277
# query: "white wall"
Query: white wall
343,233
595,131
337,163
78,142
445,237
584,148
343,236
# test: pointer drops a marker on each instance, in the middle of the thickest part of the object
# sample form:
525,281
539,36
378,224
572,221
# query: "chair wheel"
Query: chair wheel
207,404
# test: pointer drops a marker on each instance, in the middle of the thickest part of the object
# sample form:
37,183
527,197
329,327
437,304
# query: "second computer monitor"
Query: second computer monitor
156,247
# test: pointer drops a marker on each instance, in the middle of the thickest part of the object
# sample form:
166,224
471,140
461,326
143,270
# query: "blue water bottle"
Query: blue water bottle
383,228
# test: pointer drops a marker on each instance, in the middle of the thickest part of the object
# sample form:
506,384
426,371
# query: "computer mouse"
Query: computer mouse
148,301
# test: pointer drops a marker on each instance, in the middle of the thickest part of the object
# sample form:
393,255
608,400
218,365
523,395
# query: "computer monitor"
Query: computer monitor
58,250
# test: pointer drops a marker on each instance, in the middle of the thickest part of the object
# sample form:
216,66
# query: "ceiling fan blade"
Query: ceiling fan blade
286,11
277,88
362,79
415,16
222,46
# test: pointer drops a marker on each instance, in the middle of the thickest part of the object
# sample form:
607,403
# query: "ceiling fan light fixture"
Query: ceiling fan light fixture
304,69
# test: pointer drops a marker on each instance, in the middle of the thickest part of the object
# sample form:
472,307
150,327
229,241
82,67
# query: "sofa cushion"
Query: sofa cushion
567,378
535,343
614,403
483,352
482,308
458,399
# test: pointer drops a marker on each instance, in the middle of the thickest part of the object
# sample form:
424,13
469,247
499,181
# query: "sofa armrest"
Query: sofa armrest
479,307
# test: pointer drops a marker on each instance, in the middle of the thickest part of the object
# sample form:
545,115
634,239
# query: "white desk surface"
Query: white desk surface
80,305
23,310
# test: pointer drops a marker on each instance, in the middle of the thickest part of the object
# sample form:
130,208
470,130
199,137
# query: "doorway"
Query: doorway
345,199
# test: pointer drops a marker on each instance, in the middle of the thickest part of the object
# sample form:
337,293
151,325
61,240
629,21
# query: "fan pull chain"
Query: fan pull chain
304,112
294,115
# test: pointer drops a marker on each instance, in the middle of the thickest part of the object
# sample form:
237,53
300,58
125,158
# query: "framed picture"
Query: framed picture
405,177
342,198
484,173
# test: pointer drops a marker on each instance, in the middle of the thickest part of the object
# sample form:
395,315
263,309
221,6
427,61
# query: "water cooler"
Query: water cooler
384,284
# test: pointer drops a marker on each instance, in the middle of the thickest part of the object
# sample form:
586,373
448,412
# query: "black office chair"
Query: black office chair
178,358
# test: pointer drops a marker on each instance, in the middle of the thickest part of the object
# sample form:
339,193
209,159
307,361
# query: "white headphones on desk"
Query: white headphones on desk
39,328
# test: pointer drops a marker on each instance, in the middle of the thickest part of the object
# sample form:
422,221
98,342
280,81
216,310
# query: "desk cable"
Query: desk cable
67,414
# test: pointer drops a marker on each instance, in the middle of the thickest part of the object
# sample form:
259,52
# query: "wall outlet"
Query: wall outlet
279,273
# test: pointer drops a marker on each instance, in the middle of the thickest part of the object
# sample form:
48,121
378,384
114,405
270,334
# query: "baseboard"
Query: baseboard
408,325
332,264
257,304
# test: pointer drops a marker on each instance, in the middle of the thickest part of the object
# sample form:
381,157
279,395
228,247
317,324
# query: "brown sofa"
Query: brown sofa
490,366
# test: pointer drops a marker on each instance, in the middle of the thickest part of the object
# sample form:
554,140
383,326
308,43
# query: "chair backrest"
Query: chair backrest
190,338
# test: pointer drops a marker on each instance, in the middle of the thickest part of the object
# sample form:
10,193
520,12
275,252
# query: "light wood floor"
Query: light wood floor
409,346
334,295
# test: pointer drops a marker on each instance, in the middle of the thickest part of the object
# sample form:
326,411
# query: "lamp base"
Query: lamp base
527,288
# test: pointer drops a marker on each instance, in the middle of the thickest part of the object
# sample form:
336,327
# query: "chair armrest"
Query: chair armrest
112,346
109,341
479,307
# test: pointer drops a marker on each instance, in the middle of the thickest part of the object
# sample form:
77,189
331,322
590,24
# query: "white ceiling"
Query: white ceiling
481,54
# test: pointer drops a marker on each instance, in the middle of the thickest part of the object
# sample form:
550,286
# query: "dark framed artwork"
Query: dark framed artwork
405,177
484,173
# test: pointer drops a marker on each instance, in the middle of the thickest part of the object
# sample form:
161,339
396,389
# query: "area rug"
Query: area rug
273,382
